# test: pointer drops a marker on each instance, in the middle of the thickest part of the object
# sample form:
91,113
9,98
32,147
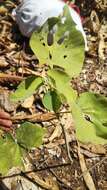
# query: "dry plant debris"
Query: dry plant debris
51,164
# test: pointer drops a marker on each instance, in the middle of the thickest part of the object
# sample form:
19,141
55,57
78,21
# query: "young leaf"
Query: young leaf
26,88
51,101
101,129
95,107
62,84
30,135
10,154
85,130
90,117
67,48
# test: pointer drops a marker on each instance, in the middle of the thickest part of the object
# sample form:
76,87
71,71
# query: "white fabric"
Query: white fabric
32,14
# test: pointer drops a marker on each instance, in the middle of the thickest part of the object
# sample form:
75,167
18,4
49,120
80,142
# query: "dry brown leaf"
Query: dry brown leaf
56,133
19,182
5,102
28,102
48,184
54,144
96,149
52,182
102,49
3,62
3,10
89,154
95,21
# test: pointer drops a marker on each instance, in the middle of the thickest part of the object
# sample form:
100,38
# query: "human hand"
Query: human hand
5,121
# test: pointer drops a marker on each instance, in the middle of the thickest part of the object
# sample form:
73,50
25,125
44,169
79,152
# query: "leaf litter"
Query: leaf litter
12,44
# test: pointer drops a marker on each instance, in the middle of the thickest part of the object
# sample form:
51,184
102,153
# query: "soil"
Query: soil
17,59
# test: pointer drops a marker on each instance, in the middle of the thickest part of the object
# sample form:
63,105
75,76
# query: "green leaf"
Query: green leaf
30,135
62,84
69,54
12,150
26,88
51,101
90,117
10,154
85,130
95,107
101,130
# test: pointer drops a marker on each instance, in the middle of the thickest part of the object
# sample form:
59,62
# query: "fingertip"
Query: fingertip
6,123
4,115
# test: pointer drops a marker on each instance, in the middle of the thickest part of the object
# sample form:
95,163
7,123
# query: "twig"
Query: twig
33,72
6,23
8,78
37,117
35,170
67,144
66,141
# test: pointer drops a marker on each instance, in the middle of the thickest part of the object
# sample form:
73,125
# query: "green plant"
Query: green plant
64,57
13,149
65,60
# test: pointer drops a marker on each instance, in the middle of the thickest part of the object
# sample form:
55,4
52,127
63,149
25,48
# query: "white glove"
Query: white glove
32,14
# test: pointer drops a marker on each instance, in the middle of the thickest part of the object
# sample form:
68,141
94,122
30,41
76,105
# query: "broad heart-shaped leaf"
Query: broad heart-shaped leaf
69,54
85,130
62,85
10,154
12,150
51,101
30,135
95,107
26,88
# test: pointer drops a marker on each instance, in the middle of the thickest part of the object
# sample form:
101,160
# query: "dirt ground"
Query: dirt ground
60,163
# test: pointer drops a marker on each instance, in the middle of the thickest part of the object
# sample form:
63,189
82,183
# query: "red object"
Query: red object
73,6
65,1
